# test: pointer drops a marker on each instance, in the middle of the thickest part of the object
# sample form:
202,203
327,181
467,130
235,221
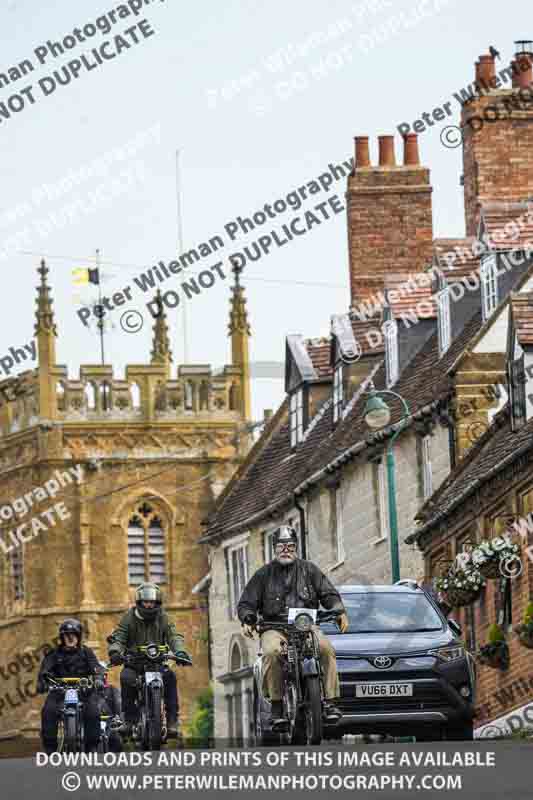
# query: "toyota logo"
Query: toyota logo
382,662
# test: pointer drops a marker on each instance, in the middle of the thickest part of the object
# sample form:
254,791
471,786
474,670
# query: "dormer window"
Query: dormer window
392,364
443,301
338,393
489,286
296,416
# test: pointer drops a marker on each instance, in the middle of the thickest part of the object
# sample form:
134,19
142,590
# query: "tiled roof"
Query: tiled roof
319,353
499,445
408,295
274,475
522,310
368,335
509,225
456,257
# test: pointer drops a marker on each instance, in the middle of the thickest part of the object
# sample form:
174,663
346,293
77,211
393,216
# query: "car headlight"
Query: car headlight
448,653
152,651
303,623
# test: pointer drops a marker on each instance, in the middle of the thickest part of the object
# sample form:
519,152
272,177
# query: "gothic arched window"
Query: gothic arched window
146,546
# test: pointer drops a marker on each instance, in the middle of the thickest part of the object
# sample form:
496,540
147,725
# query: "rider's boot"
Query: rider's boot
331,713
276,715
172,728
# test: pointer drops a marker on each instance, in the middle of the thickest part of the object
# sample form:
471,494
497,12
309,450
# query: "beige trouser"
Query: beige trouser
270,645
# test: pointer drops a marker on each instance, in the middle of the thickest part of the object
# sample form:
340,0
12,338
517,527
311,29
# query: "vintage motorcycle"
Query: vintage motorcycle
302,681
149,661
71,735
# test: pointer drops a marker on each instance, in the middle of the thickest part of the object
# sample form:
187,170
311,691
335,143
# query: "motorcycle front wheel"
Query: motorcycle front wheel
70,738
154,721
313,710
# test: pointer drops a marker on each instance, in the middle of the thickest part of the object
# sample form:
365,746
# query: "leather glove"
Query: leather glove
248,629
115,659
182,657
343,622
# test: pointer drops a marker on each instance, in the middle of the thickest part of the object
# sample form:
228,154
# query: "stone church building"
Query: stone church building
152,451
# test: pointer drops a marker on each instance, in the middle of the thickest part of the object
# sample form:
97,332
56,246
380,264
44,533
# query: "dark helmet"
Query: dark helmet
285,535
71,626
148,591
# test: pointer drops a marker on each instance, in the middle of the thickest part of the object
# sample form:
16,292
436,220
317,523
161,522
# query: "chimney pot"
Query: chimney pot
525,72
410,150
487,70
386,151
267,414
477,70
362,155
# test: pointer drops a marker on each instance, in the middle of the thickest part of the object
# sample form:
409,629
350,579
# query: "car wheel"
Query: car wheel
462,731
429,735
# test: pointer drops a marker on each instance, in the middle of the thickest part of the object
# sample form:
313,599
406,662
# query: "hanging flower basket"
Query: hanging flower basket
461,597
462,584
525,634
489,556
495,655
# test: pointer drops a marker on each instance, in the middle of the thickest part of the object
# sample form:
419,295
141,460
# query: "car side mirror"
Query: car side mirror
455,627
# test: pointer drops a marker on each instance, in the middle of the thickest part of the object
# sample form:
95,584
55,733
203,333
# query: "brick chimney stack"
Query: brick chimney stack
389,216
498,135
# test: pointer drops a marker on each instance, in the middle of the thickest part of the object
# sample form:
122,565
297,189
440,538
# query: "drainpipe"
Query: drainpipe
303,526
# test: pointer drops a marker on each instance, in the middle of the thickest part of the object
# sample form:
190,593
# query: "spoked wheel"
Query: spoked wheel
290,702
155,720
313,710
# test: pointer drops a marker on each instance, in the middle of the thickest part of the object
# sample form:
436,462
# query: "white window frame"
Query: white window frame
234,546
382,501
489,284
392,362
427,471
443,301
339,527
296,416
338,392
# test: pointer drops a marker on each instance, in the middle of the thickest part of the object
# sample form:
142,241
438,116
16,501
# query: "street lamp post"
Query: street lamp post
377,415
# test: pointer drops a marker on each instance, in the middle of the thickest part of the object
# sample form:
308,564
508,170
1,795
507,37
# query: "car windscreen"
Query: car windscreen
388,612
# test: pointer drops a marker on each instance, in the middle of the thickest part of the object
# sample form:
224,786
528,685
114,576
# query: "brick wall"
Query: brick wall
389,217
497,144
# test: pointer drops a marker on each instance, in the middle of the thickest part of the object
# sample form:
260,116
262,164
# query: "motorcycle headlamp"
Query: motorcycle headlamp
303,623
448,653
152,651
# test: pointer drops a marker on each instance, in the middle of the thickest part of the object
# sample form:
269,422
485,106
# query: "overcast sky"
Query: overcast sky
247,135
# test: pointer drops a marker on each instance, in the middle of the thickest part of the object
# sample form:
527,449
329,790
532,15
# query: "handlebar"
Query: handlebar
322,616
65,683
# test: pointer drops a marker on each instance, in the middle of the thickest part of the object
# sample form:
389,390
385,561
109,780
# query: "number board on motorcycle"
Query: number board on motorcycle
151,676
383,689
71,696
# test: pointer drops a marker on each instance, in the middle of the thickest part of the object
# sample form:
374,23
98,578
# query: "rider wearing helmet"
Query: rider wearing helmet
70,659
290,582
143,624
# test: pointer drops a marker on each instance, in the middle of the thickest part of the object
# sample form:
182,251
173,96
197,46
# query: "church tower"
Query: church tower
111,478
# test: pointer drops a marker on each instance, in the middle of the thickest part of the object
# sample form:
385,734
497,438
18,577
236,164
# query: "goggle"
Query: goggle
290,547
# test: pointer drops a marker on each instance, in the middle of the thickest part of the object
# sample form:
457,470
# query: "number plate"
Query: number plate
71,696
151,676
383,689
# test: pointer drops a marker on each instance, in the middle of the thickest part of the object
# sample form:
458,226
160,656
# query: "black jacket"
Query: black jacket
63,663
267,592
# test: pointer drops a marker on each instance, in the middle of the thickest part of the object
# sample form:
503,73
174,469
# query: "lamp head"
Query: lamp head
377,413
